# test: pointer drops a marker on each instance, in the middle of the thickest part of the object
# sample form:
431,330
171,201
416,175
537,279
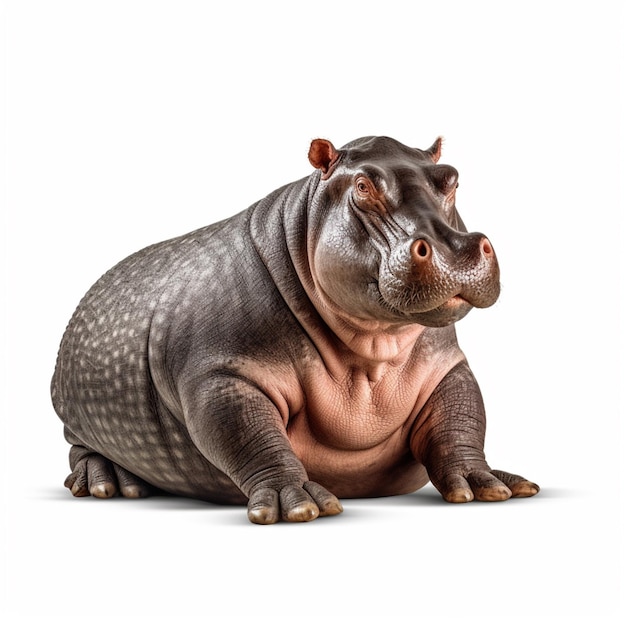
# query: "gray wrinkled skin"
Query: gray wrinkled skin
301,350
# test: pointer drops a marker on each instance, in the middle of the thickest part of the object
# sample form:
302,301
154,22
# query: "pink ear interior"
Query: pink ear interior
322,154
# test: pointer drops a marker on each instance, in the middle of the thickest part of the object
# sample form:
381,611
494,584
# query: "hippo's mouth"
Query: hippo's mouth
454,301
451,311
440,313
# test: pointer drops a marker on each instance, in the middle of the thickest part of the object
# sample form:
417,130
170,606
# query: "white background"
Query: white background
131,122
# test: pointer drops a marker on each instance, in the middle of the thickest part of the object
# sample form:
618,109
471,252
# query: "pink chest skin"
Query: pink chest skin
349,417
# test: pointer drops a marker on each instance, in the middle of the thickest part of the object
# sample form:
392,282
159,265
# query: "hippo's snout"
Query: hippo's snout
465,267
439,281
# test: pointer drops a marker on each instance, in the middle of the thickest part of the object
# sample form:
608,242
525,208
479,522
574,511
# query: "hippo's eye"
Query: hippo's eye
363,187
368,197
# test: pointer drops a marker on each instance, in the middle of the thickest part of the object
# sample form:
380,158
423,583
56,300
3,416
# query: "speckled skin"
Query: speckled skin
301,350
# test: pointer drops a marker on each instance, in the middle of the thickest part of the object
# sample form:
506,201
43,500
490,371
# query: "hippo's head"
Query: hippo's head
390,245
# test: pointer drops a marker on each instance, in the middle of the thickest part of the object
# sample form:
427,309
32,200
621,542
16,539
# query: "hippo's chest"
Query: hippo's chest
354,433
354,414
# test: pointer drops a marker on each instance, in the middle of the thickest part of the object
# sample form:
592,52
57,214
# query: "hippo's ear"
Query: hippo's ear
434,152
323,155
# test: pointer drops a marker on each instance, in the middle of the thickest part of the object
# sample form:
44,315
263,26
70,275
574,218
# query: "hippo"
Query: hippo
300,352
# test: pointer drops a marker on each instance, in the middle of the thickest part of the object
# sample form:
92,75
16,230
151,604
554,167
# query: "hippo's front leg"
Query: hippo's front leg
240,430
448,439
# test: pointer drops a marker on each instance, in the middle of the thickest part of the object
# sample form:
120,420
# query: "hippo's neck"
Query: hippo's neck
282,227
369,341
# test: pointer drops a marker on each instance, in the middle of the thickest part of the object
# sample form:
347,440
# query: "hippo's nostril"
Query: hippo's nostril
420,250
485,246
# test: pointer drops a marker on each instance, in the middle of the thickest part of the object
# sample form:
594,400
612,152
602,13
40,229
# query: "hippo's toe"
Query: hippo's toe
292,504
483,485
519,486
95,475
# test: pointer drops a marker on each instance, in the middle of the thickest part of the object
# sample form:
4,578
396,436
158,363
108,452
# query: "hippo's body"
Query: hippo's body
300,351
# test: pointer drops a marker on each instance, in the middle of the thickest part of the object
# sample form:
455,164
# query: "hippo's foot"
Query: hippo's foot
95,475
292,504
484,485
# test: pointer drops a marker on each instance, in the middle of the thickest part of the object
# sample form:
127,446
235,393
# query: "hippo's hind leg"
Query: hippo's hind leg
92,474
